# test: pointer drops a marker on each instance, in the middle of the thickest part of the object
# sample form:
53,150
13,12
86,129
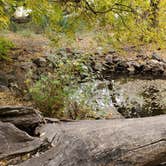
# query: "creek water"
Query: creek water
130,97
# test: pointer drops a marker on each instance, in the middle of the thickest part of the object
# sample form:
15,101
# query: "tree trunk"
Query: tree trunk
122,142
154,9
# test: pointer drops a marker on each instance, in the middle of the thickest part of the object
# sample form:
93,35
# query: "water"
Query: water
130,97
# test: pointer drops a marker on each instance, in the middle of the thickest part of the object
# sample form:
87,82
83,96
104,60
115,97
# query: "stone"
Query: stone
131,70
3,79
27,66
111,51
40,62
109,59
156,67
121,67
155,56
4,88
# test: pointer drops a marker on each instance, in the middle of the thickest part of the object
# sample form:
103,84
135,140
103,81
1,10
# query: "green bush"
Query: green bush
5,46
51,94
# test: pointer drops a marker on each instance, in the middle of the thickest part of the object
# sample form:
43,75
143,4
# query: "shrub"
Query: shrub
51,94
5,46
78,111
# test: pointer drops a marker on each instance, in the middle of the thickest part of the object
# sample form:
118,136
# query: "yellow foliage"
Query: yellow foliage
137,21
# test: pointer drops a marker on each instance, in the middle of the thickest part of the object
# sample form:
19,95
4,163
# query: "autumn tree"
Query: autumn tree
131,21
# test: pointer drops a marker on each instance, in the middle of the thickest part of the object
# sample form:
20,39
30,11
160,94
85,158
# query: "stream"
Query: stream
139,97
131,97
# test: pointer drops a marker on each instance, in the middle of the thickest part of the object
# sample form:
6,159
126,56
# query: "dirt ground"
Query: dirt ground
28,47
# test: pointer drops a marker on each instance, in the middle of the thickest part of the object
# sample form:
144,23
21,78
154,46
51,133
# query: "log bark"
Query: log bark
14,142
121,142
25,118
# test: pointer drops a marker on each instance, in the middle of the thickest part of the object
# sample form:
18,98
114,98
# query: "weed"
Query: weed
5,46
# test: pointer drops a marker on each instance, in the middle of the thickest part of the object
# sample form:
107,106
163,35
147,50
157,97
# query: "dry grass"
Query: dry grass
29,46
7,98
85,42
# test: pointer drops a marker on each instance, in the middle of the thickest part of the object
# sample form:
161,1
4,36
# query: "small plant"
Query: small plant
5,46
78,111
49,95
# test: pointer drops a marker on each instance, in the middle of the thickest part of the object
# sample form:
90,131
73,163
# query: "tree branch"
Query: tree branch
113,7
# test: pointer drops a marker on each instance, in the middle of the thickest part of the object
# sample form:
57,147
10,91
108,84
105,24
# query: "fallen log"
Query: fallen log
14,142
25,118
121,142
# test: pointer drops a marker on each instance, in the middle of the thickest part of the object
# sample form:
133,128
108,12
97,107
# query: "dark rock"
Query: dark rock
116,59
109,59
131,70
25,118
155,56
3,79
142,56
27,66
4,88
141,65
156,67
112,51
135,64
98,66
121,67
132,66
12,77
40,62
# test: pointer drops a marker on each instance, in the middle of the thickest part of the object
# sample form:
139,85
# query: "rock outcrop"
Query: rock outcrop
114,65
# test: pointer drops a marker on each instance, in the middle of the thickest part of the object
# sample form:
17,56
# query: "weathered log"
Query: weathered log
121,142
25,118
14,142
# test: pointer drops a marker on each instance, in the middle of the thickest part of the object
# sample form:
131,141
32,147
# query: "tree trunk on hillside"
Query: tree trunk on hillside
122,142
154,13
